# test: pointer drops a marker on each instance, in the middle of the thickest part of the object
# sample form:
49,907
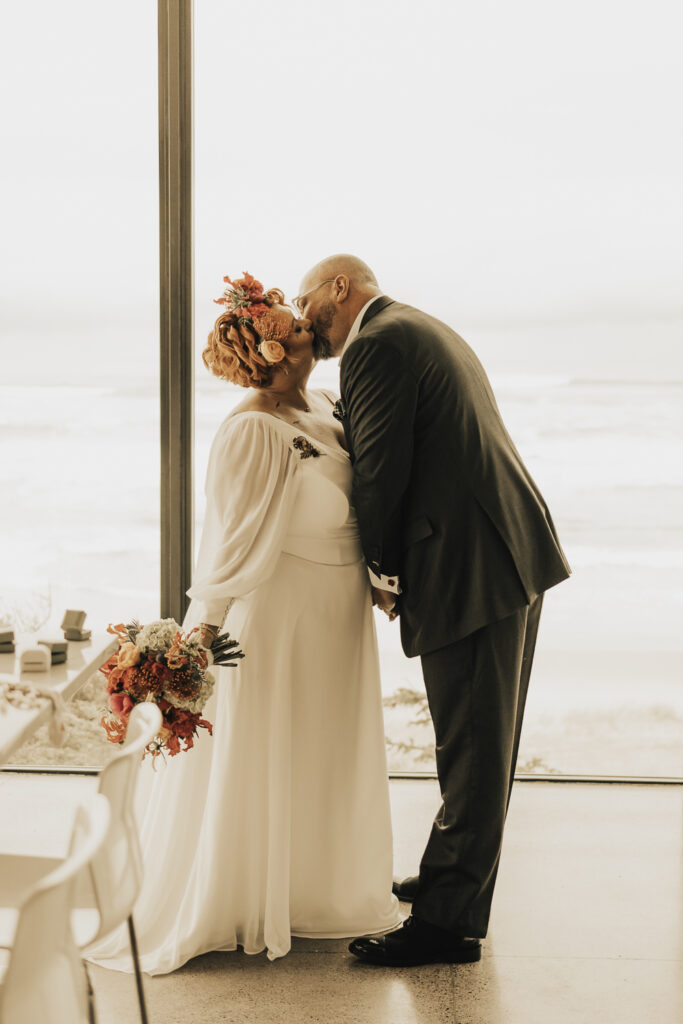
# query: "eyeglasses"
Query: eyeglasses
298,301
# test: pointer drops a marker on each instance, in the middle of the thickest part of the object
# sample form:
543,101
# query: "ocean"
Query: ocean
79,521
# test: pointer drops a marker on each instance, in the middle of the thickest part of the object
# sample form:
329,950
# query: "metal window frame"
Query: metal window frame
176,272
591,780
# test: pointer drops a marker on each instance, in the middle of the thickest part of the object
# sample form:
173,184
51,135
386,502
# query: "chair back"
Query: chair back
116,872
45,979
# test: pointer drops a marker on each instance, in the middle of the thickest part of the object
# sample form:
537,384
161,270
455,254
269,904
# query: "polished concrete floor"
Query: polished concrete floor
586,928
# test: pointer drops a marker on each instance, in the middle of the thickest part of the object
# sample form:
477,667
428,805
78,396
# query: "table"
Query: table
83,658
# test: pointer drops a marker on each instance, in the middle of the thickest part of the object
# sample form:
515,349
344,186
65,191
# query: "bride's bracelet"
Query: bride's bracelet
211,630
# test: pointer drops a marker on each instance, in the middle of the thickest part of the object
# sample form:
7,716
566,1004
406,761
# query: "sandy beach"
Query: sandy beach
571,725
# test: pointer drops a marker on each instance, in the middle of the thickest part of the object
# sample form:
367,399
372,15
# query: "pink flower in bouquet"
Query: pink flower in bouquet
121,705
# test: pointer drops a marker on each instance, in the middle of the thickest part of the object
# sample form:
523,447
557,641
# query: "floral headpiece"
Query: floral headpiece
246,299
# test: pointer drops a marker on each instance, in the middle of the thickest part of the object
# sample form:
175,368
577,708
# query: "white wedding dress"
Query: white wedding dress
279,824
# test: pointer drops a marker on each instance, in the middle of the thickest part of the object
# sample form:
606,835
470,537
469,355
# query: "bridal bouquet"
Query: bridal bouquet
160,663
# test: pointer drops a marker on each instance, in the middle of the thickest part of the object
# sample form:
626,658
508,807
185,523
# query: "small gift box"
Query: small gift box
34,659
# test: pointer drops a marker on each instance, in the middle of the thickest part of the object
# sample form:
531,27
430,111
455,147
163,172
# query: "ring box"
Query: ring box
77,634
72,624
34,659
57,648
73,619
7,641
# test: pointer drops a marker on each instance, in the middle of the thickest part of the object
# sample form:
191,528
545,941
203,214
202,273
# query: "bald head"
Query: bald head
359,273
331,295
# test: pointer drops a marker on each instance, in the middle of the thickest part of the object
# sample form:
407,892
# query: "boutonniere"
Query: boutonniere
339,410
305,448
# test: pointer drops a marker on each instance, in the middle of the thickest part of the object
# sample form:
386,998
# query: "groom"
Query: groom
460,544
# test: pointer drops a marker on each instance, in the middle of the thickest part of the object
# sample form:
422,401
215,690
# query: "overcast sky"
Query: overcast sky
496,163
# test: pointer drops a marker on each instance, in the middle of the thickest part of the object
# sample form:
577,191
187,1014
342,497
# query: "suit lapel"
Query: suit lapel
377,306
380,303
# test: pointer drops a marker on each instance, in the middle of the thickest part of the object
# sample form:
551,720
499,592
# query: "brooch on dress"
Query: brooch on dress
305,448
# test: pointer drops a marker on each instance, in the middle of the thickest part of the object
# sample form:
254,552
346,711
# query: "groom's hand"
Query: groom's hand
386,601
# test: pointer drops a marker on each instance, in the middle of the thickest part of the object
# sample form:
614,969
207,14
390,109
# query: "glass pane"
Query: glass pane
79,381
536,210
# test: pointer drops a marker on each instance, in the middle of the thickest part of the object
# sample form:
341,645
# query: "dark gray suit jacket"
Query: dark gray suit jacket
442,496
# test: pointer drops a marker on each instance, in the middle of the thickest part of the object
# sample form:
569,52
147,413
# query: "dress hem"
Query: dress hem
124,964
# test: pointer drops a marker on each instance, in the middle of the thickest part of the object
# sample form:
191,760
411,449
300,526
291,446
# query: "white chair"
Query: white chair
116,872
45,980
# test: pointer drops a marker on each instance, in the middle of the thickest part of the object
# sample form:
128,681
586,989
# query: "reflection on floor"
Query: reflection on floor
586,928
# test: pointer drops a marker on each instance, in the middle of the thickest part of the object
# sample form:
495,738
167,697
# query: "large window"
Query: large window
79,402
509,169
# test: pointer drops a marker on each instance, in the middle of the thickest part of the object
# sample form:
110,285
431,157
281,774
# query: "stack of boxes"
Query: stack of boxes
47,651
7,641
57,649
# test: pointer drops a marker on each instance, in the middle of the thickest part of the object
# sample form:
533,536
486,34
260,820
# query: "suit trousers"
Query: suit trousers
476,690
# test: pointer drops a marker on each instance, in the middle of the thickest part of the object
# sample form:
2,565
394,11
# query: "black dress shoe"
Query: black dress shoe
407,889
416,942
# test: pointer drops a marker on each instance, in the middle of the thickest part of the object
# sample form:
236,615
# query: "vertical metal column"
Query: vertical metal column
176,244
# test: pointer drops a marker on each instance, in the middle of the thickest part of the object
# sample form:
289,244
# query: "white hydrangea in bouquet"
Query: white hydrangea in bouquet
160,663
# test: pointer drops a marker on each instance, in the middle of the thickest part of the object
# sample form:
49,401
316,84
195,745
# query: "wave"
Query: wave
585,556
623,382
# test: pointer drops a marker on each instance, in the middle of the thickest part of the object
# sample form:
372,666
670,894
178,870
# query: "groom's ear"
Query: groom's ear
340,288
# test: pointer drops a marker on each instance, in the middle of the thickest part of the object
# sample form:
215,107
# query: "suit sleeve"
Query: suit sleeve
380,394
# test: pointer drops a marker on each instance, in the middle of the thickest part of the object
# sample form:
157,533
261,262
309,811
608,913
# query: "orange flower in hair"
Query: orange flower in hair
273,325
244,297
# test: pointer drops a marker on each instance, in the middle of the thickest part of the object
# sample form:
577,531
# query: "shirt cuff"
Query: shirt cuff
385,582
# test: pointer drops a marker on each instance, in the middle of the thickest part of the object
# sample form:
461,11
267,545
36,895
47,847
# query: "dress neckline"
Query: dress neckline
337,452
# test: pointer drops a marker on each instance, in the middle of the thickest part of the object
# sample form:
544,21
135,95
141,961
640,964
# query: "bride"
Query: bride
279,824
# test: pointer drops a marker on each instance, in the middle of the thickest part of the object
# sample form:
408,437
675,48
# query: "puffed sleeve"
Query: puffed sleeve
250,489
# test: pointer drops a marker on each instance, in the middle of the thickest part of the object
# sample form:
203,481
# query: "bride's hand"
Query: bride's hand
386,601
207,634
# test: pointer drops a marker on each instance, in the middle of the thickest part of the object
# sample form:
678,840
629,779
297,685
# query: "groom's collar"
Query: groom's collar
370,309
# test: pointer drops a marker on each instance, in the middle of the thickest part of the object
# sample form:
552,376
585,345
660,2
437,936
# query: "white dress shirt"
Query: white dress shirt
390,583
